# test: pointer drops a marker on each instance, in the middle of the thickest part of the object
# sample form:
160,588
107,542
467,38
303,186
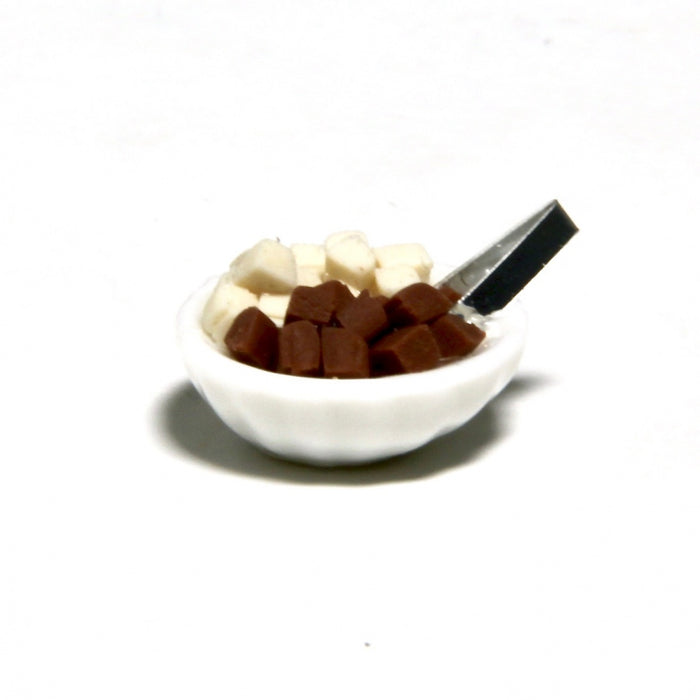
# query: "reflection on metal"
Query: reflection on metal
490,280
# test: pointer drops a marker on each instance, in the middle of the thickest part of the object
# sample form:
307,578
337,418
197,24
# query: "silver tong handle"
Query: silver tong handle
491,279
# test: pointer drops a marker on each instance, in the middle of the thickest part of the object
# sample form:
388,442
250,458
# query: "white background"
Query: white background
547,550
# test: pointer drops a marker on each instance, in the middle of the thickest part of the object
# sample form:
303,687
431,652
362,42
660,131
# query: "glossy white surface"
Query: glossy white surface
332,422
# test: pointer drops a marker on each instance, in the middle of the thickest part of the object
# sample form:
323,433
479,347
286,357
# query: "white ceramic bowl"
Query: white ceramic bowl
331,422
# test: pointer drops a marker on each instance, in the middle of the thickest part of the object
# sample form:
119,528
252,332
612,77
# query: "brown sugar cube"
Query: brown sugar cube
252,339
299,349
345,354
317,304
339,294
364,315
450,293
417,303
309,304
410,349
455,336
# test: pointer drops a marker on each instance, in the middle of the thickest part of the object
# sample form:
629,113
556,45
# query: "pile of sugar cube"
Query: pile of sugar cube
265,275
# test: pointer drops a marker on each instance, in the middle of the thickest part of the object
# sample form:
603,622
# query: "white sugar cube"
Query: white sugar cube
225,303
412,254
274,306
309,275
309,255
351,260
267,267
389,280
